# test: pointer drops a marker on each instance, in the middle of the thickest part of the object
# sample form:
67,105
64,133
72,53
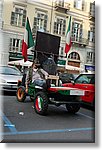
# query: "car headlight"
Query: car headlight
2,81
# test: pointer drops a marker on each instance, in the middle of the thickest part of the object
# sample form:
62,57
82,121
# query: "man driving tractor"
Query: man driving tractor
36,75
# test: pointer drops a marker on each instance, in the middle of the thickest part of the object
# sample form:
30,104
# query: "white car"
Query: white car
9,76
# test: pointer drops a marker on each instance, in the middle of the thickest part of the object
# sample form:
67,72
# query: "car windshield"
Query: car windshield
85,78
65,75
9,71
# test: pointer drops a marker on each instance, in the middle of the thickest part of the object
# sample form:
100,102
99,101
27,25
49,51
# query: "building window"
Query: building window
59,26
79,4
18,17
91,34
40,22
77,31
15,45
92,9
90,57
60,3
74,56
61,51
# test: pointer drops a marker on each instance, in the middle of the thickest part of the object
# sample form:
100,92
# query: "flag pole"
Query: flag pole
28,41
68,41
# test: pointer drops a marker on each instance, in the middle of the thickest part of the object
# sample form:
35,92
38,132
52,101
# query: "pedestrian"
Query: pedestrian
36,75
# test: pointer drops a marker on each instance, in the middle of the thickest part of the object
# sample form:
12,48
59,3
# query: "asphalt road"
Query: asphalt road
21,123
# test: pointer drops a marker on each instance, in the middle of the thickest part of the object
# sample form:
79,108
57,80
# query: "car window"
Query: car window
9,71
88,79
92,80
67,75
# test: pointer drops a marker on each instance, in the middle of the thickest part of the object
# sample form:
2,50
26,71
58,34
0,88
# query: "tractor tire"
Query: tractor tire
21,94
41,103
72,108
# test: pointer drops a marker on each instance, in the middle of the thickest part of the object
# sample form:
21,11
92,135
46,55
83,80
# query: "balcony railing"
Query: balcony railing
81,41
92,16
62,7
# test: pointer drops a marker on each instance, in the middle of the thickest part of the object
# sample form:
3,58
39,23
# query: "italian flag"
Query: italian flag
38,103
28,41
68,38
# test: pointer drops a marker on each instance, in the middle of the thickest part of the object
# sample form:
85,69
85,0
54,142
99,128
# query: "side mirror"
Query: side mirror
72,81
60,83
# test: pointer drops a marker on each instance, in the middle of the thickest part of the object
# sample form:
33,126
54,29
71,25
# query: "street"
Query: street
22,124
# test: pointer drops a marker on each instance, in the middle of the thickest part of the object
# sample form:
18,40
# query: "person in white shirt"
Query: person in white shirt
36,75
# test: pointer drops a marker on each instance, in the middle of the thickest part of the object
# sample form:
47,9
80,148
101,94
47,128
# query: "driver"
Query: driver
36,75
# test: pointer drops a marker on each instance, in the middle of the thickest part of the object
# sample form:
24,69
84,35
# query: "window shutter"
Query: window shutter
88,35
34,30
81,30
90,7
74,3
72,29
64,27
17,10
12,17
83,5
45,17
45,22
24,18
55,27
45,25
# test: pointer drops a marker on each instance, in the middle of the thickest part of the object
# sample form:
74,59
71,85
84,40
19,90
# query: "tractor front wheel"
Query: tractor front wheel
41,103
21,94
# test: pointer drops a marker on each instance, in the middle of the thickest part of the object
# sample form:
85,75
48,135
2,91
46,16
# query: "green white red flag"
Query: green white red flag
28,41
68,37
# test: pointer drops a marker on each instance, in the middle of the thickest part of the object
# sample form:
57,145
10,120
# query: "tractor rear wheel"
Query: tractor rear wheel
21,94
41,103
72,108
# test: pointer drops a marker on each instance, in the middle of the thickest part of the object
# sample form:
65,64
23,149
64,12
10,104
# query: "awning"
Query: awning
69,67
20,62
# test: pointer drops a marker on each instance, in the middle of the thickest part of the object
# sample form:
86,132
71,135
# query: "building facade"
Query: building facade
52,16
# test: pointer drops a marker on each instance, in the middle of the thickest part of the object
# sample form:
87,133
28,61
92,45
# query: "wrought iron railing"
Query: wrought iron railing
79,40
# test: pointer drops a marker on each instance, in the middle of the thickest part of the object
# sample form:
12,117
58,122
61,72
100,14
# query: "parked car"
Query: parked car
9,76
86,82
66,78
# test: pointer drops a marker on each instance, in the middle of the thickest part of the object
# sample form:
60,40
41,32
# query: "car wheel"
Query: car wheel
21,94
72,108
93,104
41,103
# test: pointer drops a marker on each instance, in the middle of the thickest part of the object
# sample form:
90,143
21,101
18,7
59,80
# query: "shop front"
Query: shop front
90,68
17,56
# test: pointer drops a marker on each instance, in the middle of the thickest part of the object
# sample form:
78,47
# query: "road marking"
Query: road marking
85,115
8,123
47,131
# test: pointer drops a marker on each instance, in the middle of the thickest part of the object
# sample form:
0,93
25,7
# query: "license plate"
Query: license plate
76,92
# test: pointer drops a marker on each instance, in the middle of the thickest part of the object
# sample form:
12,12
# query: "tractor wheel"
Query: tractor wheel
41,103
72,108
21,94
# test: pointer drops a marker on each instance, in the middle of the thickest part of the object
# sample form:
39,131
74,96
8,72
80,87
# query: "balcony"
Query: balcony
92,16
79,41
62,7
